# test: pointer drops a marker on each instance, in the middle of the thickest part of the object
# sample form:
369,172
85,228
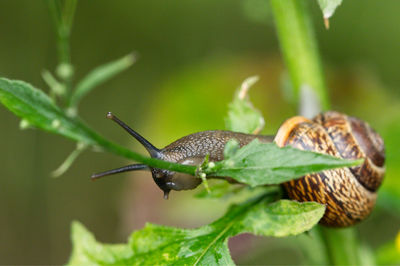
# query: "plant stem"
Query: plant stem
63,19
152,162
121,151
341,245
65,69
299,47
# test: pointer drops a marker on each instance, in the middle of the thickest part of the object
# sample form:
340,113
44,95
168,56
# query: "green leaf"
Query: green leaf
100,75
38,110
223,189
207,245
231,148
220,189
242,116
265,163
87,251
328,7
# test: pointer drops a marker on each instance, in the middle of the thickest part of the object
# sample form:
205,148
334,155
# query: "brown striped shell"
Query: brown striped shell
348,193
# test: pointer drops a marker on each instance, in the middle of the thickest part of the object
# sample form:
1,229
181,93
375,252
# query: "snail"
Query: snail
348,193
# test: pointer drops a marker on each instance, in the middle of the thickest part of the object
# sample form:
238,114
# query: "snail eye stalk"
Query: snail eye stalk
132,167
153,151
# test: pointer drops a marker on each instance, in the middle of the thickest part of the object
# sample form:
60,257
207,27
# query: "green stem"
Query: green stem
299,47
152,162
55,12
121,151
342,246
63,36
63,18
69,12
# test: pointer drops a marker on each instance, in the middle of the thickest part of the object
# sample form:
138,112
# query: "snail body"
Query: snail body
348,193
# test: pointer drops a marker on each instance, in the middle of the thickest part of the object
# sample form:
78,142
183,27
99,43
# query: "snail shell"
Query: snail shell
348,193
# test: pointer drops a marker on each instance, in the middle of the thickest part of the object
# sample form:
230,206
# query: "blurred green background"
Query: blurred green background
193,55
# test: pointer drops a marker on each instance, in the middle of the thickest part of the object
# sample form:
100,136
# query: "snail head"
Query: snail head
166,180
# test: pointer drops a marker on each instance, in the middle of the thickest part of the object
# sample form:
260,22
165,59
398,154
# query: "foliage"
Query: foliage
242,116
201,246
38,110
248,165
259,163
328,7
256,164
222,188
98,76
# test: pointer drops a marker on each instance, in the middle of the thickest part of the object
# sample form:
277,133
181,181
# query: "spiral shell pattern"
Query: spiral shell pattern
348,193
